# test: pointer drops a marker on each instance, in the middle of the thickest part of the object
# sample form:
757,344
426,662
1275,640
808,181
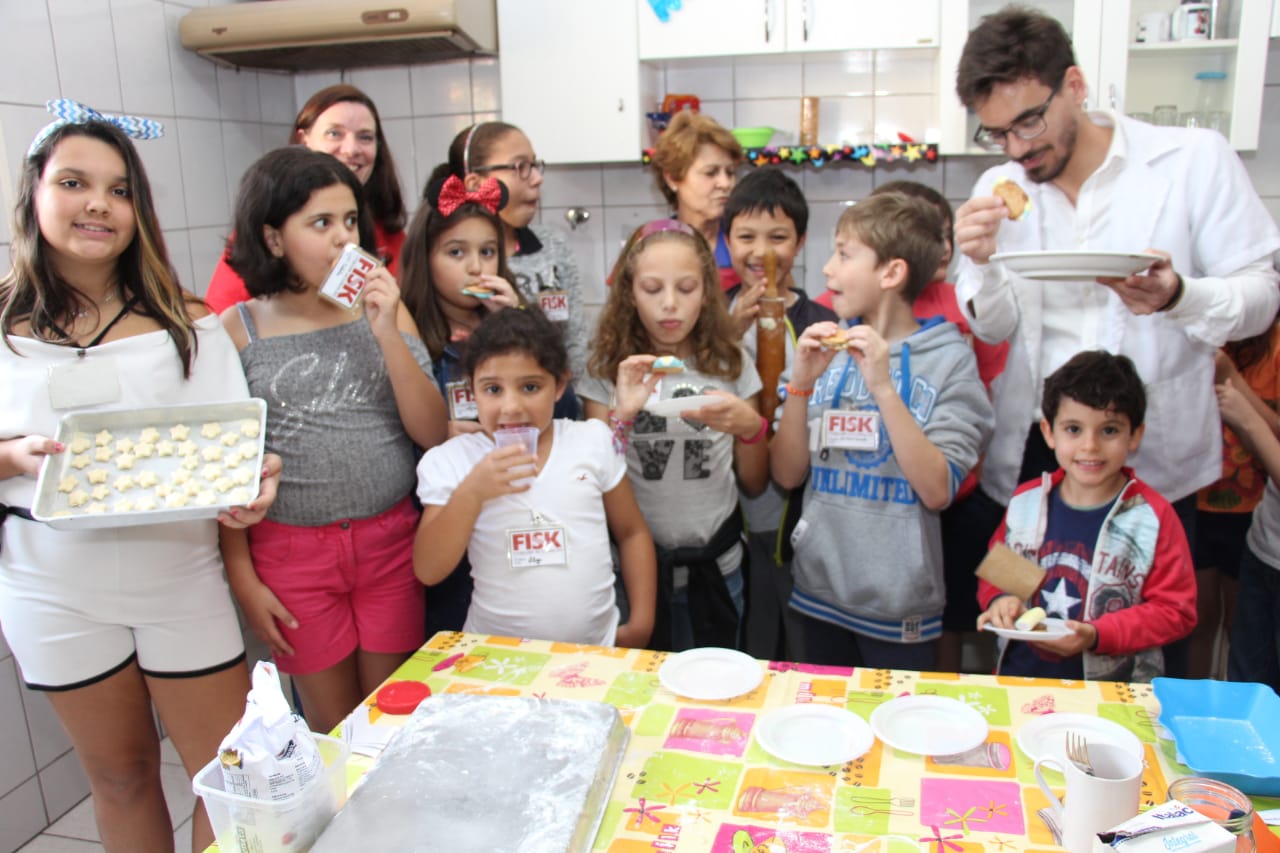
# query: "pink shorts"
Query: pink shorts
350,584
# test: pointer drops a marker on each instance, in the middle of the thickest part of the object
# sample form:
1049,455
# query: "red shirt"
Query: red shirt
227,289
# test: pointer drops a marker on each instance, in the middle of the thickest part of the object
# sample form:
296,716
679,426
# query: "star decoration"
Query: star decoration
1060,600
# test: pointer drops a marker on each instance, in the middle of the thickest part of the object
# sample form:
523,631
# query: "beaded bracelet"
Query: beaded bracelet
620,430
764,428
793,391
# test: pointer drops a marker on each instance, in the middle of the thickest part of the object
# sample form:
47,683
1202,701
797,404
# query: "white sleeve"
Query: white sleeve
985,295
439,474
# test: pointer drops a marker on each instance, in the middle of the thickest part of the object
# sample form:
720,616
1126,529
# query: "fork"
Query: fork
1078,752
1051,821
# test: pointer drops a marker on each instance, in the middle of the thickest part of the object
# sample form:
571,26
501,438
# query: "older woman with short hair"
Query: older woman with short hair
695,165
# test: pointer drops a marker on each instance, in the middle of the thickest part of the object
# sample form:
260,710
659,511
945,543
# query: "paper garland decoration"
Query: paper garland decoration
820,155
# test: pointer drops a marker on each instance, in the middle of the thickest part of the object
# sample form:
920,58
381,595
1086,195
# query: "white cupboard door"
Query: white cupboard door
814,25
711,28
571,78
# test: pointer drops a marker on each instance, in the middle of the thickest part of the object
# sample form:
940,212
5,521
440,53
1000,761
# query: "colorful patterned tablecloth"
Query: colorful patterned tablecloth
694,779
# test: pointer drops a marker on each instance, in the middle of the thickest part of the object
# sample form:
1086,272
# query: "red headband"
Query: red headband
454,192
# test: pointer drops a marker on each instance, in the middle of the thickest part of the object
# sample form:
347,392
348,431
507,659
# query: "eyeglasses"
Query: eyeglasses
523,168
1028,126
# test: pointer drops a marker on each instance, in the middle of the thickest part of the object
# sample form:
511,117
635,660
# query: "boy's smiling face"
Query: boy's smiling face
752,234
1091,445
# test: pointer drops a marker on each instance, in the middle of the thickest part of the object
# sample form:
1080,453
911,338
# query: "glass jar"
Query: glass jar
1218,801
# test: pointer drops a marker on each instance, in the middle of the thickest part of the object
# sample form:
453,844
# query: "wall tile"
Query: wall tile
49,739
486,88
905,72
275,95
846,120
587,243
834,182
4,647
163,162
141,34
1262,165
28,67
17,763
208,192
307,83
620,221
845,76
431,138
441,88
238,96
573,186
207,245
817,249
721,111
22,815
929,174
399,134
709,80
768,77
18,126
961,173
87,66
914,115
782,114
388,87
241,147
179,246
1273,63
64,784
78,822
631,183
195,79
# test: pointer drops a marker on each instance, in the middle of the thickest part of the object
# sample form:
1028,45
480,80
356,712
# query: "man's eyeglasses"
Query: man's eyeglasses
1028,126
523,168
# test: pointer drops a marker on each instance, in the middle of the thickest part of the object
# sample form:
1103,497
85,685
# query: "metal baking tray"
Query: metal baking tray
483,773
53,504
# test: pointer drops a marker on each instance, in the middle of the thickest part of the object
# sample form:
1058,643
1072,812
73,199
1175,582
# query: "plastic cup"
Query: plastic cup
1165,115
526,437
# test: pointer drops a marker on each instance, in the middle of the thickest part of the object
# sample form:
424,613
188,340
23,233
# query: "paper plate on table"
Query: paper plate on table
710,673
928,725
814,735
673,406
1045,737
1053,629
1075,265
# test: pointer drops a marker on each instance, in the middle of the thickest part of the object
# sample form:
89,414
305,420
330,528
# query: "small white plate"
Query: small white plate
1075,265
674,406
928,725
710,673
814,735
1053,629
1046,736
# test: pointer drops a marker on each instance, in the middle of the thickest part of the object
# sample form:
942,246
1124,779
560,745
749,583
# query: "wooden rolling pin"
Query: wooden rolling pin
771,337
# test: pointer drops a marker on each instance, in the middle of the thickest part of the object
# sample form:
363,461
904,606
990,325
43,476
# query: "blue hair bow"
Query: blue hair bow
74,112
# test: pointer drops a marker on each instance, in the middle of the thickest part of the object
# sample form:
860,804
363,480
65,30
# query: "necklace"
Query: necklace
84,312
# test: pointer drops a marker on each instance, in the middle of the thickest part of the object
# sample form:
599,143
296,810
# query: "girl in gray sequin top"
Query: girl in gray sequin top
328,579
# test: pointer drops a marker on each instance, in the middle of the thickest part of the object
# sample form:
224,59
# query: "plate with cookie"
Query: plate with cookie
1075,266
1033,625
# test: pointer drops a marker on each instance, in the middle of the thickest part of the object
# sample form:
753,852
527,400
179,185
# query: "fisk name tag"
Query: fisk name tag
462,403
555,305
537,546
851,430
350,273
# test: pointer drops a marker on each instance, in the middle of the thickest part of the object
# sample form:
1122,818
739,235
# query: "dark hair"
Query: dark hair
1249,351
34,291
898,226
1099,380
929,194
382,191
472,146
518,330
767,189
621,333
274,188
1013,44
417,288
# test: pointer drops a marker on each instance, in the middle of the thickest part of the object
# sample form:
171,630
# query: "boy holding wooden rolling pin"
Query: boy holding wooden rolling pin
764,222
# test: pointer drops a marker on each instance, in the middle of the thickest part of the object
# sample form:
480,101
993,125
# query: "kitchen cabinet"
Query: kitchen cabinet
1123,75
703,28
572,80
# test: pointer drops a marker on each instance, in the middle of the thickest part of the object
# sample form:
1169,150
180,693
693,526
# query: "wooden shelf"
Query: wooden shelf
1175,47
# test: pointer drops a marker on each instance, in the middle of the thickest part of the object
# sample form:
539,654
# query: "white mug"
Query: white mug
1095,803
1153,27
1192,21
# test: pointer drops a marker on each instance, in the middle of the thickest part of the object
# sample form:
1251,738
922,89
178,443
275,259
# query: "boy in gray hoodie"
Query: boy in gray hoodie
886,417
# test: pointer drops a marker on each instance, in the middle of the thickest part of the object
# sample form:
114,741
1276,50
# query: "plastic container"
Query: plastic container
287,826
752,137
1221,803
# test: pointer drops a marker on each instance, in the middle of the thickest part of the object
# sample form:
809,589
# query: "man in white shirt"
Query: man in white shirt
1100,182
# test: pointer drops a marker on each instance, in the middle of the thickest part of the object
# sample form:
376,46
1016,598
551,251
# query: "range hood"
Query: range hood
308,35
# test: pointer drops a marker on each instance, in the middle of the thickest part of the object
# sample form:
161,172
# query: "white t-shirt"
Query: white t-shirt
572,602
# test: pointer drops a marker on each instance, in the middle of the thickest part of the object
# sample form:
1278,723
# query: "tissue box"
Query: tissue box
1167,828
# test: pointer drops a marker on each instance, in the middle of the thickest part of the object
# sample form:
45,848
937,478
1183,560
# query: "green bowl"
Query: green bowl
752,137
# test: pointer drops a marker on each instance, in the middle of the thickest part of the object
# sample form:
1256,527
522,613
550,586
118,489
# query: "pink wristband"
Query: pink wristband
764,428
